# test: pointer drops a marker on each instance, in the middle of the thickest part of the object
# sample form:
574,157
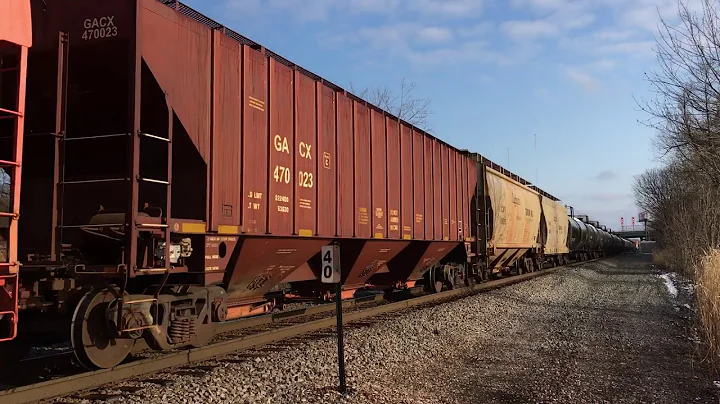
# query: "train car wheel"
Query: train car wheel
92,335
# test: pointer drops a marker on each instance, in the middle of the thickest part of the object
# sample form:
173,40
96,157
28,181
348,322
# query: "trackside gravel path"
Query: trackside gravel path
609,331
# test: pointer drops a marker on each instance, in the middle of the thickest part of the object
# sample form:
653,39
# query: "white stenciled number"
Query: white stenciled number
282,174
305,179
98,28
98,33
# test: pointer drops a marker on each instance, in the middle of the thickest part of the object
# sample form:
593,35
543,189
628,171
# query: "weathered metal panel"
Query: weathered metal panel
419,184
305,156
379,174
281,178
516,212
393,177
429,193
15,23
254,142
465,199
225,205
371,257
176,48
446,191
454,180
326,160
87,22
562,228
363,224
259,263
435,251
406,161
475,208
439,191
345,167
551,222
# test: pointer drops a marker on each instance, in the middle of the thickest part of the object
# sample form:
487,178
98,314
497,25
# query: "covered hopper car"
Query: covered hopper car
177,175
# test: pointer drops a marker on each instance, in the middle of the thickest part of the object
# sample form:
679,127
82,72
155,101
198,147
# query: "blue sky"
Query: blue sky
497,72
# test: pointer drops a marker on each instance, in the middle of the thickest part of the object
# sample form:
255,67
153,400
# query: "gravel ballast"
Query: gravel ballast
607,331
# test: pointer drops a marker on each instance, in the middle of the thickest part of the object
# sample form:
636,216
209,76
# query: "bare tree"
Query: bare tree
686,212
686,112
403,104
683,197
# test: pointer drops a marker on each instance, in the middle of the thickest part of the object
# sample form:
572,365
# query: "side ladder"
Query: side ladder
13,67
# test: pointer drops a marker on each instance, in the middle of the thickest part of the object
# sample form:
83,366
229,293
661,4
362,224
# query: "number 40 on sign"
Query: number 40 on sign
330,263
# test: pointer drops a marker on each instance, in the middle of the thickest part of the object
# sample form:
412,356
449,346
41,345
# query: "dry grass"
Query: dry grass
705,273
660,258
708,302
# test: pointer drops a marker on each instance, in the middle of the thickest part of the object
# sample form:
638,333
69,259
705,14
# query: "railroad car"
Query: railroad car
177,175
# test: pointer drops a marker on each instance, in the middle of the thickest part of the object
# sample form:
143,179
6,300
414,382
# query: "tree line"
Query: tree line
682,196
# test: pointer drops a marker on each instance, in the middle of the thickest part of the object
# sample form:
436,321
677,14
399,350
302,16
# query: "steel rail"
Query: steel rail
255,321
88,380
272,318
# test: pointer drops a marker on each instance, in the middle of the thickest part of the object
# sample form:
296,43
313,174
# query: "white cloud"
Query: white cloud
637,48
614,34
473,52
521,30
478,30
603,64
373,6
582,78
434,34
439,45
320,10
558,17
431,32
455,8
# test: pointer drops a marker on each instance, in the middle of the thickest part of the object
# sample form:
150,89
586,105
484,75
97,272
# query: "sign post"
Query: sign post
331,274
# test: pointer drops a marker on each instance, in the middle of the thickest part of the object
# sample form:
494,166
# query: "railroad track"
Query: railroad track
83,381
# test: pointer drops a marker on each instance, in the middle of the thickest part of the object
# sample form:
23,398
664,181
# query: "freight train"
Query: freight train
176,175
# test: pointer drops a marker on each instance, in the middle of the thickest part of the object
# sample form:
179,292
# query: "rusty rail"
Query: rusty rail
89,380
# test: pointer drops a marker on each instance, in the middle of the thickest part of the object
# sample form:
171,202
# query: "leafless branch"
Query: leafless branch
686,111
403,103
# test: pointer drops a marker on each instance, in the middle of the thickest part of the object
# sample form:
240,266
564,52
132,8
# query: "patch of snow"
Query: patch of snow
670,285
717,384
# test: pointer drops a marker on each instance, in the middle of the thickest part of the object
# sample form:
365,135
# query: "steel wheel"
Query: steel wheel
92,335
